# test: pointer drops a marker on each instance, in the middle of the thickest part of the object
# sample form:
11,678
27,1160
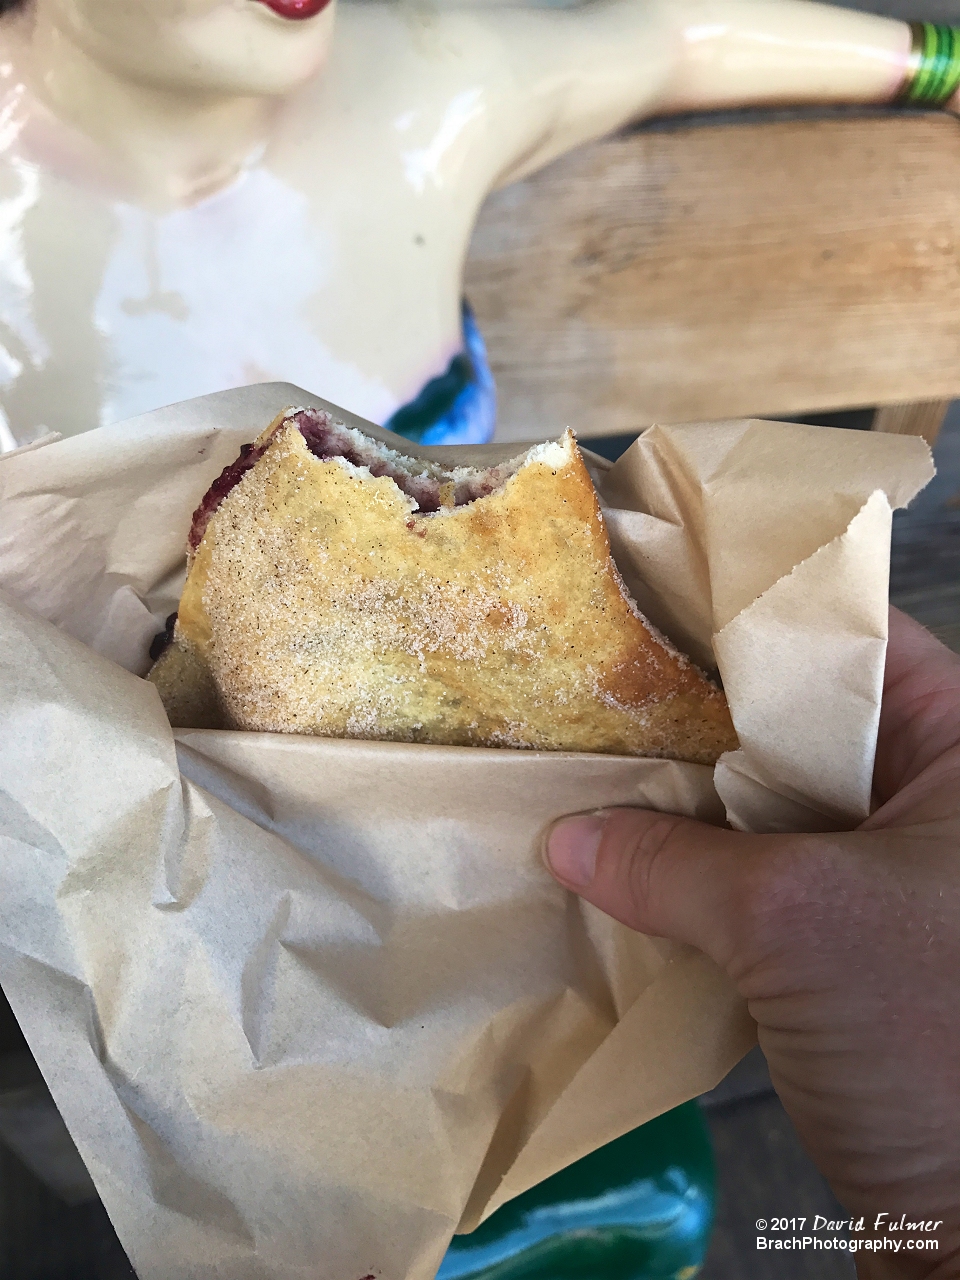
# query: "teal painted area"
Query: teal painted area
459,406
640,1208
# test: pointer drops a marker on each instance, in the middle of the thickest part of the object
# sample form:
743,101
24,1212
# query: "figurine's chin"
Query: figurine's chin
296,9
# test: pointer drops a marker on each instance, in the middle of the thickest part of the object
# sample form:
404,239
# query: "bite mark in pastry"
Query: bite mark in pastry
336,587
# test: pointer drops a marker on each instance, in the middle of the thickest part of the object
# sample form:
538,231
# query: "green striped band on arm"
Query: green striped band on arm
933,67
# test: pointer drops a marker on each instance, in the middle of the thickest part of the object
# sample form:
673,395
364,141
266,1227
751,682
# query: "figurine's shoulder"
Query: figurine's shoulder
511,52
389,41
457,100
426,26
398,75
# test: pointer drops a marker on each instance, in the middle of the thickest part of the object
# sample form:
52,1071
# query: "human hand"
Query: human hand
845,946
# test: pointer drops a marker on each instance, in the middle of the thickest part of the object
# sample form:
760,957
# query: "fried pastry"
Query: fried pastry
337,587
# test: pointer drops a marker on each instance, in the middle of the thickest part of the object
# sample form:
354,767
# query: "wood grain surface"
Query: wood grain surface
723,270
922,418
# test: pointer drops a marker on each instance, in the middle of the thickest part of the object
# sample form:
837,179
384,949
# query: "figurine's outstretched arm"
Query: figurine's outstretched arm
579,74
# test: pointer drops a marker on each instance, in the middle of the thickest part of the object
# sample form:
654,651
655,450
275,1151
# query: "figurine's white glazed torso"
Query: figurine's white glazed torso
162,240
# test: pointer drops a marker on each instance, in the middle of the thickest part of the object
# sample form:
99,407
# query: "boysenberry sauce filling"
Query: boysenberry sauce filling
325,439
163,639
228,479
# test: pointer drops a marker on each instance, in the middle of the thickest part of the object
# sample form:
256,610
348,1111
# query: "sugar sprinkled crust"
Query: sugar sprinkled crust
429,486
378,596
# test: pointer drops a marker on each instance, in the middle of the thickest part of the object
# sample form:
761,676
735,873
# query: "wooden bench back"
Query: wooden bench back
726,270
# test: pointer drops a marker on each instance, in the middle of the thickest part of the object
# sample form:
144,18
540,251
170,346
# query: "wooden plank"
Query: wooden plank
765,268
922,418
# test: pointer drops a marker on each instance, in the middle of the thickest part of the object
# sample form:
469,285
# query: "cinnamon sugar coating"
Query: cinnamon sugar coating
322,600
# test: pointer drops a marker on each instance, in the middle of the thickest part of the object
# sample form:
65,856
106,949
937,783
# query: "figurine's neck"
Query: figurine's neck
166,147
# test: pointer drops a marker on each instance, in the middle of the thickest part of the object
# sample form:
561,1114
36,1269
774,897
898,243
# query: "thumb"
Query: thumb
659,874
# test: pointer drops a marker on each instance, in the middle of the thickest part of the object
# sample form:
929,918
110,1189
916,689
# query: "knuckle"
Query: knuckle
645,851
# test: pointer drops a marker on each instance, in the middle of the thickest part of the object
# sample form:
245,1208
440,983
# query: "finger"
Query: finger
920,715
659,873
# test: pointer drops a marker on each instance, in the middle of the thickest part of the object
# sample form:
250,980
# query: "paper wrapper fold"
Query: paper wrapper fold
309,1006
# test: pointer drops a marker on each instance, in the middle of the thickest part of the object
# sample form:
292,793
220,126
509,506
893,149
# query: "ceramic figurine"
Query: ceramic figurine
197,194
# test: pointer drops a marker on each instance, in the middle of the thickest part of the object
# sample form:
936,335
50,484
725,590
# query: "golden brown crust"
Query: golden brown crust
321,603
187,689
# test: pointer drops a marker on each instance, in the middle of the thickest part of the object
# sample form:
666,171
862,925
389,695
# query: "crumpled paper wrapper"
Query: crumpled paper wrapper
309,1006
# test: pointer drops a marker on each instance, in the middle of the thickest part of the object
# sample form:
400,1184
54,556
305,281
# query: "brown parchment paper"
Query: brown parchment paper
308,1006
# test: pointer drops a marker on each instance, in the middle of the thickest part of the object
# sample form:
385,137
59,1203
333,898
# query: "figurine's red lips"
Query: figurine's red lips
296,8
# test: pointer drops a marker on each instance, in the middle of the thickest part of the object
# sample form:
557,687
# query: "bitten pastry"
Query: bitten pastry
337,587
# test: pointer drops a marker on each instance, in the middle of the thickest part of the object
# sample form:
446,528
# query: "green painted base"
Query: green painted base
640,1208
